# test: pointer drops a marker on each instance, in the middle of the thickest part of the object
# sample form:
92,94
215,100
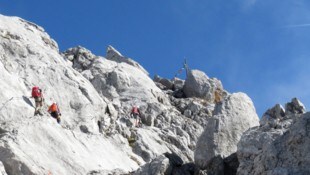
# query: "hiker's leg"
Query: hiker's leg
41,103
58,119
36,107
54,115
136,119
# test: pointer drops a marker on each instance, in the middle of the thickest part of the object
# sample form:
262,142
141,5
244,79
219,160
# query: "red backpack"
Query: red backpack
36,92
135,110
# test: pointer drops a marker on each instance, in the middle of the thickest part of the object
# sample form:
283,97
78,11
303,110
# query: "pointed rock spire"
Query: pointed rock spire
114,55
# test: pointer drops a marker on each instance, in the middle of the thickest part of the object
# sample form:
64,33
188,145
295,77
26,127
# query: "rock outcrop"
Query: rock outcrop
280,145
114,55
116,80
95,95
168,164
198,84
125,86
37,144
232,117
2,170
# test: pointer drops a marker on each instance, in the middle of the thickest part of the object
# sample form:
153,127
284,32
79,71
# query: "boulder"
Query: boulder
81,58
195,107
198,84
178,84
107,172
166,83
168,164
220,166
158,166
174,159
233,116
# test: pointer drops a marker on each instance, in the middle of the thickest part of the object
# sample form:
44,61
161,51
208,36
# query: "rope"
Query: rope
11,99
6,102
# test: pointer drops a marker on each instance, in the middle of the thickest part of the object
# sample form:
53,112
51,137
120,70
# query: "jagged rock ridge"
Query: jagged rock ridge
93,90
280,145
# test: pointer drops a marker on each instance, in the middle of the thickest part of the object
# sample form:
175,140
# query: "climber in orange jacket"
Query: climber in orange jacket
55,112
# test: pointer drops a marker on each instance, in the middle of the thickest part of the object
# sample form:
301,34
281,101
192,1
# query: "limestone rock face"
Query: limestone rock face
279,145
114,78
114,55
166,83
295,107
233,116
198,84
95,95
126,85
169,163
37,144
158,166
2,170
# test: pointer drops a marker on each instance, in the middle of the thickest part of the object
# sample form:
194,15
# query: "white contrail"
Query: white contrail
297,25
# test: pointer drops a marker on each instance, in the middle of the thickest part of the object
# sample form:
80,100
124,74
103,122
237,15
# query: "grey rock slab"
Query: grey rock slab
233,116
277,148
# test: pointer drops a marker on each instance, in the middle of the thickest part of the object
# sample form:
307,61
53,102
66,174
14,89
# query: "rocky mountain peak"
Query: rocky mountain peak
187,126
281,137
295,107
114,55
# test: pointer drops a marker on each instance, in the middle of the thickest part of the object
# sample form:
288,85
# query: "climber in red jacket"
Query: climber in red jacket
135,113
38,98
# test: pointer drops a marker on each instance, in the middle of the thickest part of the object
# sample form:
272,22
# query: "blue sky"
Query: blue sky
258,47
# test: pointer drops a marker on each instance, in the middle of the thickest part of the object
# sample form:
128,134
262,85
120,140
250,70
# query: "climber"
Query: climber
38,98
135,113
55,112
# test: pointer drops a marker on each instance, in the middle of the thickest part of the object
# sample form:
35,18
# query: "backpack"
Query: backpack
36,92
135,110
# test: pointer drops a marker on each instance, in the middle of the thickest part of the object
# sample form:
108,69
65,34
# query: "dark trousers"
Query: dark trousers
56,116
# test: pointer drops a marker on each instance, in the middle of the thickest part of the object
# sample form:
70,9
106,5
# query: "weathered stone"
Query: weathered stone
178,84
157,166
114,55
81,58
2,170
195,107
95,95
233,116
198,84
273,115
37,144
188,113
220,166
295,107
116,78
278,149
174,159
